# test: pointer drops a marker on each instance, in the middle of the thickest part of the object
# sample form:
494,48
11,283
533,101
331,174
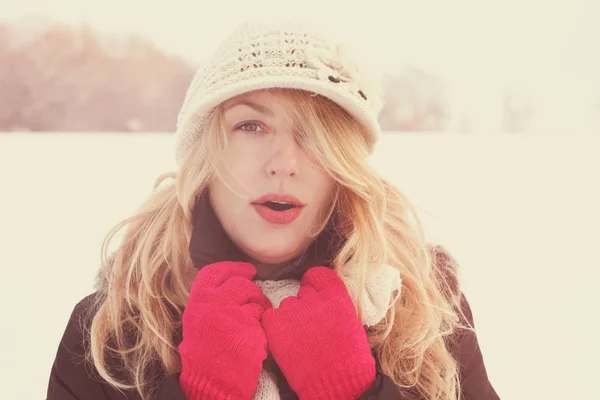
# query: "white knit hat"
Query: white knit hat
291,55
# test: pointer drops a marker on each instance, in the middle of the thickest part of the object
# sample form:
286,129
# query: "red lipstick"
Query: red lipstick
278,208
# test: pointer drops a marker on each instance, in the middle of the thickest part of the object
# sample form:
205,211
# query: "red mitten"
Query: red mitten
318,341
224,344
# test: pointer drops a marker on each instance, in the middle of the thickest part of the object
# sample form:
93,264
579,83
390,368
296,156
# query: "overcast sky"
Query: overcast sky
513,39
477,47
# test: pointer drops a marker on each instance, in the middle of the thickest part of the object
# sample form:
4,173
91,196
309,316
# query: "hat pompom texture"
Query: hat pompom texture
290,55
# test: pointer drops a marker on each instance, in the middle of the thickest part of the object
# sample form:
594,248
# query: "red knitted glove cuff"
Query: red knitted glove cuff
201,386
345,385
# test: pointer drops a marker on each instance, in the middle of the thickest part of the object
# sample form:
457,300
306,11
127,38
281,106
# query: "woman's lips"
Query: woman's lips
278,217
278,208
279,198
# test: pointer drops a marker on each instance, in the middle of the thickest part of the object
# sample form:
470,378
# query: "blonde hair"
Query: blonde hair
144,284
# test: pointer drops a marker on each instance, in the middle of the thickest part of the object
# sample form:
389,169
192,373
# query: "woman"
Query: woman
277,264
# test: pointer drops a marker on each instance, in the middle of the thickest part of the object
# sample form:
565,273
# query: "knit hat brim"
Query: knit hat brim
198,113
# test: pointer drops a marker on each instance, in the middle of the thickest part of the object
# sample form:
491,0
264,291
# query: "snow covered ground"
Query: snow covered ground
520,213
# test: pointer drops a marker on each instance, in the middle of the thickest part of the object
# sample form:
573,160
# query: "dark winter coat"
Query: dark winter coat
72,378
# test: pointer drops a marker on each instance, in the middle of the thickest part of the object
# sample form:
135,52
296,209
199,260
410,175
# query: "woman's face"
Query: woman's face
268,194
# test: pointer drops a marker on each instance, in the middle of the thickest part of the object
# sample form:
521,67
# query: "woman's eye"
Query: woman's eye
250,127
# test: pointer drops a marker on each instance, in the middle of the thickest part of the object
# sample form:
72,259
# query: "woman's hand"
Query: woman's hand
224,344
318,341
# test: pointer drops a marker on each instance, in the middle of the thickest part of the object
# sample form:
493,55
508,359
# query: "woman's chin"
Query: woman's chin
272,255
272,258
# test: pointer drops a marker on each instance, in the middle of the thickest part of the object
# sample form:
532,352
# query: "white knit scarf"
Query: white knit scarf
380,292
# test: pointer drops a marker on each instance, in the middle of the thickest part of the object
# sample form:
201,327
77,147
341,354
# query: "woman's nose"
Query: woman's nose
284,158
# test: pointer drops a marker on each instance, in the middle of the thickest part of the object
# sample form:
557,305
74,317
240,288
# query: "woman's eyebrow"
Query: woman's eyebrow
255,106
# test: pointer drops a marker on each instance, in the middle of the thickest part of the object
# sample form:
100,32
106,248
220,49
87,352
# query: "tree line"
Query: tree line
65,78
